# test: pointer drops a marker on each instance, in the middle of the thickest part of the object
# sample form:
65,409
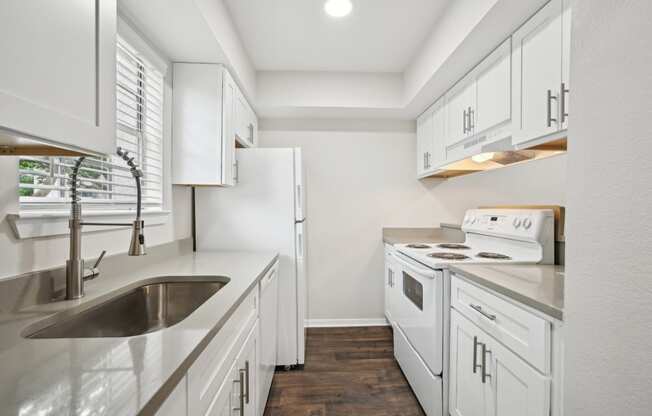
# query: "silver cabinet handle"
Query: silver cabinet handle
464,123
251,133
247,381
236,172
550,119
484,375
475,354
389,278
471,125
424,160
562,102
429,160
241,382
478,309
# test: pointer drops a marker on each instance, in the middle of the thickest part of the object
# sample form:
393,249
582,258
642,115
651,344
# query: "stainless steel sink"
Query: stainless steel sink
148,307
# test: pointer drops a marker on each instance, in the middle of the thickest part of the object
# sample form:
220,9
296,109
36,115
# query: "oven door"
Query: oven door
420,309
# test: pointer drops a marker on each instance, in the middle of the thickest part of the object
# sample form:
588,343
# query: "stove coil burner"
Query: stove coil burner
495,256
417,246
453,246
448,256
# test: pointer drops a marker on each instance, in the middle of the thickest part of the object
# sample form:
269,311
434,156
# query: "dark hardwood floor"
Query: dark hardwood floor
348,371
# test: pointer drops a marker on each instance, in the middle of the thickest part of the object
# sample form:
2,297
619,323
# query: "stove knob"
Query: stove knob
527,223
517,222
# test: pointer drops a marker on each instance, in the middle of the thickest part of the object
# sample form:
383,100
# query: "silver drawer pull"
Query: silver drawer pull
478,309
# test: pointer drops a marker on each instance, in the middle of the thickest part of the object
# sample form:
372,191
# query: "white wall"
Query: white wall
609,251
359,182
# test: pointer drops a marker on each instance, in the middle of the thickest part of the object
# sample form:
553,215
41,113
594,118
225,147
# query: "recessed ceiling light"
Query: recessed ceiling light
338,8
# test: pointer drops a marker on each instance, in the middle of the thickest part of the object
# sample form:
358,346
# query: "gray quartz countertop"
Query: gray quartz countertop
445,233
118,376
538,286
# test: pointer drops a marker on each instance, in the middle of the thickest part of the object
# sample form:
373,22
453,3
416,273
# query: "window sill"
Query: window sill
35,224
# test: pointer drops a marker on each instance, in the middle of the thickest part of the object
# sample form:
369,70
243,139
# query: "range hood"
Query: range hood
499,155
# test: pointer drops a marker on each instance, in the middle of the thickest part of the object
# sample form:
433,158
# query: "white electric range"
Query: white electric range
421,312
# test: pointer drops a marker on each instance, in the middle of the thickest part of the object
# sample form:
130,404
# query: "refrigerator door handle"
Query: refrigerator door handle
300,245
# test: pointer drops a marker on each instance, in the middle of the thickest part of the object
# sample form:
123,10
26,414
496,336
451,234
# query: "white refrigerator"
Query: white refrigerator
265,211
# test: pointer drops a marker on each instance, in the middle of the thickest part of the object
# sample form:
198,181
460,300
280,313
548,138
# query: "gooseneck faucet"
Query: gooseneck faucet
76,273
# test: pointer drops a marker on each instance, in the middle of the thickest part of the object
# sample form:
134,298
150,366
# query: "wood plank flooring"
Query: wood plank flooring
348,371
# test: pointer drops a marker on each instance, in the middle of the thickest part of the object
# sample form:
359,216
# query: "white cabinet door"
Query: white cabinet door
467,392
229,125
537,63
494,95
203,137
390,279
57,78
268,322
515,388
460,104
437,157
424,141
227,396
247,367
565,63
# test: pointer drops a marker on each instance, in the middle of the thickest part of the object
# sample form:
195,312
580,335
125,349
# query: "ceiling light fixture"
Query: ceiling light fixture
338,8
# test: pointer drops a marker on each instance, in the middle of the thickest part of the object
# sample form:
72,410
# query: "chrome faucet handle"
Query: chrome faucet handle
93,272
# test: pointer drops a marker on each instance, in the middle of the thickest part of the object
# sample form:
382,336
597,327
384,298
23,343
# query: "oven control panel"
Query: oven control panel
521,224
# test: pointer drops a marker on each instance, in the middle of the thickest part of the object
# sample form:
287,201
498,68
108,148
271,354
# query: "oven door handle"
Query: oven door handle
420,270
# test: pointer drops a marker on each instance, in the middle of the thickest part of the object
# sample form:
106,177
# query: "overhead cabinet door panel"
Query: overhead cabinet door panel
57,78
459,111
494,90
537,68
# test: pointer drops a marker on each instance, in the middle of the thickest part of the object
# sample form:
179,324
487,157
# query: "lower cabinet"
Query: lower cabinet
392,283
487,379
226,378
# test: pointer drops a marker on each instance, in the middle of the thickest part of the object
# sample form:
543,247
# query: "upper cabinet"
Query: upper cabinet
478,107
516,98
541,66
57,84
210,113
431,139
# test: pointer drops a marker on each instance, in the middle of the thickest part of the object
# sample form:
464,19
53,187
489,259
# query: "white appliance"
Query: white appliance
421,332
265,211
268,335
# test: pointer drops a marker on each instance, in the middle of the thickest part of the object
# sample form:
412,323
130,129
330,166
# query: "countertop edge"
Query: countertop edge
552,312
155,402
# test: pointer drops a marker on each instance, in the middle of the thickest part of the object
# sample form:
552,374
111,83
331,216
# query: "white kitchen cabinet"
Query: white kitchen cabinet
539,76
515,388
493,107
460,111
424,141
487,379
226,397
467,392
565,62
210,116
246,122
57,80
392,283
431,139
247,365
268,323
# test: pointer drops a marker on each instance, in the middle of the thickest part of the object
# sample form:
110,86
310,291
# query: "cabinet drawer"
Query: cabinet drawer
519,330
208,372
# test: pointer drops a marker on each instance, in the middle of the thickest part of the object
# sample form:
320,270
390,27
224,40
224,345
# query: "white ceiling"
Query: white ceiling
378,36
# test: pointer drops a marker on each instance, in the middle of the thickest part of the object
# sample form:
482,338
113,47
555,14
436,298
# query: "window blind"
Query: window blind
106,183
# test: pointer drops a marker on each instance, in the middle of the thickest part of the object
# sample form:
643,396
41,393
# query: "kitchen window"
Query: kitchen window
105,182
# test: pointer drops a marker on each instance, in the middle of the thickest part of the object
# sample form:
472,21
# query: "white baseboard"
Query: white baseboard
335,323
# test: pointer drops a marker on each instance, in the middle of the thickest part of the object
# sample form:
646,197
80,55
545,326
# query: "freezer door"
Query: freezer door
302,290
299,187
